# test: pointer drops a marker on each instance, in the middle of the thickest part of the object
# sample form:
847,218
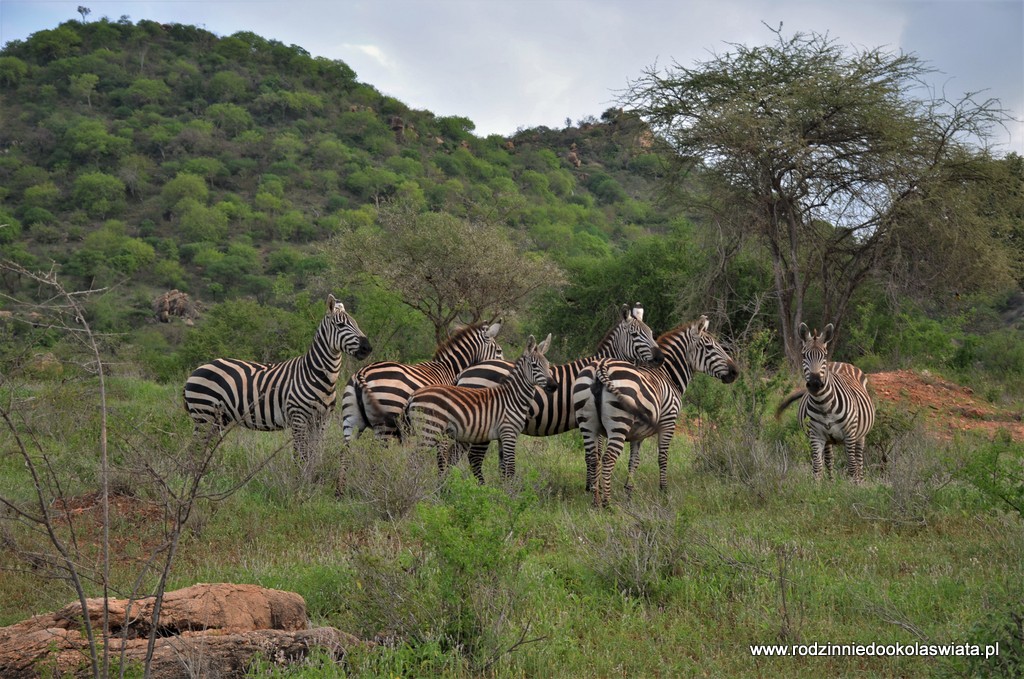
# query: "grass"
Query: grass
527,579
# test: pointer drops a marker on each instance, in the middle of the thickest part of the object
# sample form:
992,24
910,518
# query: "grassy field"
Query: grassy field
527,578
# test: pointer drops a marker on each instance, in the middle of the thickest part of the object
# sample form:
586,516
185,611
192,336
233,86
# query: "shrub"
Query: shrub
638,555
997,470
387,477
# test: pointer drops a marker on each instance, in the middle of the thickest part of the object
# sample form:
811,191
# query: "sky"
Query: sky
513,64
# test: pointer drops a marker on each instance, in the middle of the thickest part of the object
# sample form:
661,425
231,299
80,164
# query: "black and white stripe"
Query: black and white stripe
441,415
835,406
626,402
296,394
552,412
376,395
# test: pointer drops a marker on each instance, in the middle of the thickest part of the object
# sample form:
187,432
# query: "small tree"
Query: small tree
444,267
818,146
83,86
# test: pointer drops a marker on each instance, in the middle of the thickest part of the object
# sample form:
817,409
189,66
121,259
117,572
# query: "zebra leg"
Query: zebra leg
634,462
299,426
611,454
442,457
477,453
817,448
855,460
507,451
592,444
351,426
827,454
664,441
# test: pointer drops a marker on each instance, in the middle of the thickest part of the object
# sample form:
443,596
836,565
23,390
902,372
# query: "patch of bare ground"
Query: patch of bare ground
948,407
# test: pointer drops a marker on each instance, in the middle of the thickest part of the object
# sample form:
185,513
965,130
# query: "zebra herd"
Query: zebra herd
630,389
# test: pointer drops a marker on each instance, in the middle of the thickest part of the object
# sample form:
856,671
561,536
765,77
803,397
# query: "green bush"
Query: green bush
997,470
246,330
998,353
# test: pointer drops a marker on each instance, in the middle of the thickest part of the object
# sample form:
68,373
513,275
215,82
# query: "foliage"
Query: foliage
997,470
246,330
444,267
100,195
813,145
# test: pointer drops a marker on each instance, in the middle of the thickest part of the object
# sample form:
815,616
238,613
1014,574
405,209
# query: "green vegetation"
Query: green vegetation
529,579
136,158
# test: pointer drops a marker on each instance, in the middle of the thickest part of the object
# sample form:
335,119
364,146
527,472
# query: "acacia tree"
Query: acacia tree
818,146
445,267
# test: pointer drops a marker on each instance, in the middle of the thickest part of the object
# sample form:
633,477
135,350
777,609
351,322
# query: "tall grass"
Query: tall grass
528,579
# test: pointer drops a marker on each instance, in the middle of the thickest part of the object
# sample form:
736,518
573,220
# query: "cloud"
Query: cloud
374,52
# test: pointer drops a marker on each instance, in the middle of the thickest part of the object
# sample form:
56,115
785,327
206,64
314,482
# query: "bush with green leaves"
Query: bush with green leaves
455,593
997,470
247,330
99,194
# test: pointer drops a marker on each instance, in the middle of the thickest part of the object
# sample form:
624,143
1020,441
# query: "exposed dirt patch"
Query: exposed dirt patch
947,406
138,526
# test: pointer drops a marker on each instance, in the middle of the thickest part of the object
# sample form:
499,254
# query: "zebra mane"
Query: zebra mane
615,328
680,329
455,339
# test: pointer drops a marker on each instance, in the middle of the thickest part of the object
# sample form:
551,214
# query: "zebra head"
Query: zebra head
535,366
491,350
815,356
631,339
341,333
702,351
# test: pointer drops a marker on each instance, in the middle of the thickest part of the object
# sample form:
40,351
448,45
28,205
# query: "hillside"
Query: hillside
156,156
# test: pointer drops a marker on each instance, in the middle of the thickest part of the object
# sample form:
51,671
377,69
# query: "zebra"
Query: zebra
296,394
835,406
481,415
376,395
626,402
552,412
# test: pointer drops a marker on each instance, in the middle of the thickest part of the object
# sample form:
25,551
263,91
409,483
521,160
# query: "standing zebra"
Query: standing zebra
296,394
627,402
552,412
376,395
479,416
836,406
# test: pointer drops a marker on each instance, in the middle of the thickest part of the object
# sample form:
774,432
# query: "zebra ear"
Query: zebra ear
703,323
531,344
333,304
494,328
625,311
803,332
826,334
638,311
543,346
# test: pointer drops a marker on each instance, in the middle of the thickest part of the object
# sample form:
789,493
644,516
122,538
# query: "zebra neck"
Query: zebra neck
322,359
519,391
453,361
677,367
607,348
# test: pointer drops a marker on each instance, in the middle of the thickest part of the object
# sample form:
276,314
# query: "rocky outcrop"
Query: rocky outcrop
174,303
209,630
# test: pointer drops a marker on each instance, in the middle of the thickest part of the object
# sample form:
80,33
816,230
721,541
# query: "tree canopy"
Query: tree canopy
819,146
445,267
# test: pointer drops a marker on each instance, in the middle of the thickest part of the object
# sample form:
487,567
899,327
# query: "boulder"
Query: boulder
205,630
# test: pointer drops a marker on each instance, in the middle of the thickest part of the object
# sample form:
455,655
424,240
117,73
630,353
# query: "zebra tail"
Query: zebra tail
628,403
368,404
795,396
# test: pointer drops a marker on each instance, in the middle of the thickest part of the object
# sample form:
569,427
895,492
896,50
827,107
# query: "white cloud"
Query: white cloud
372,51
